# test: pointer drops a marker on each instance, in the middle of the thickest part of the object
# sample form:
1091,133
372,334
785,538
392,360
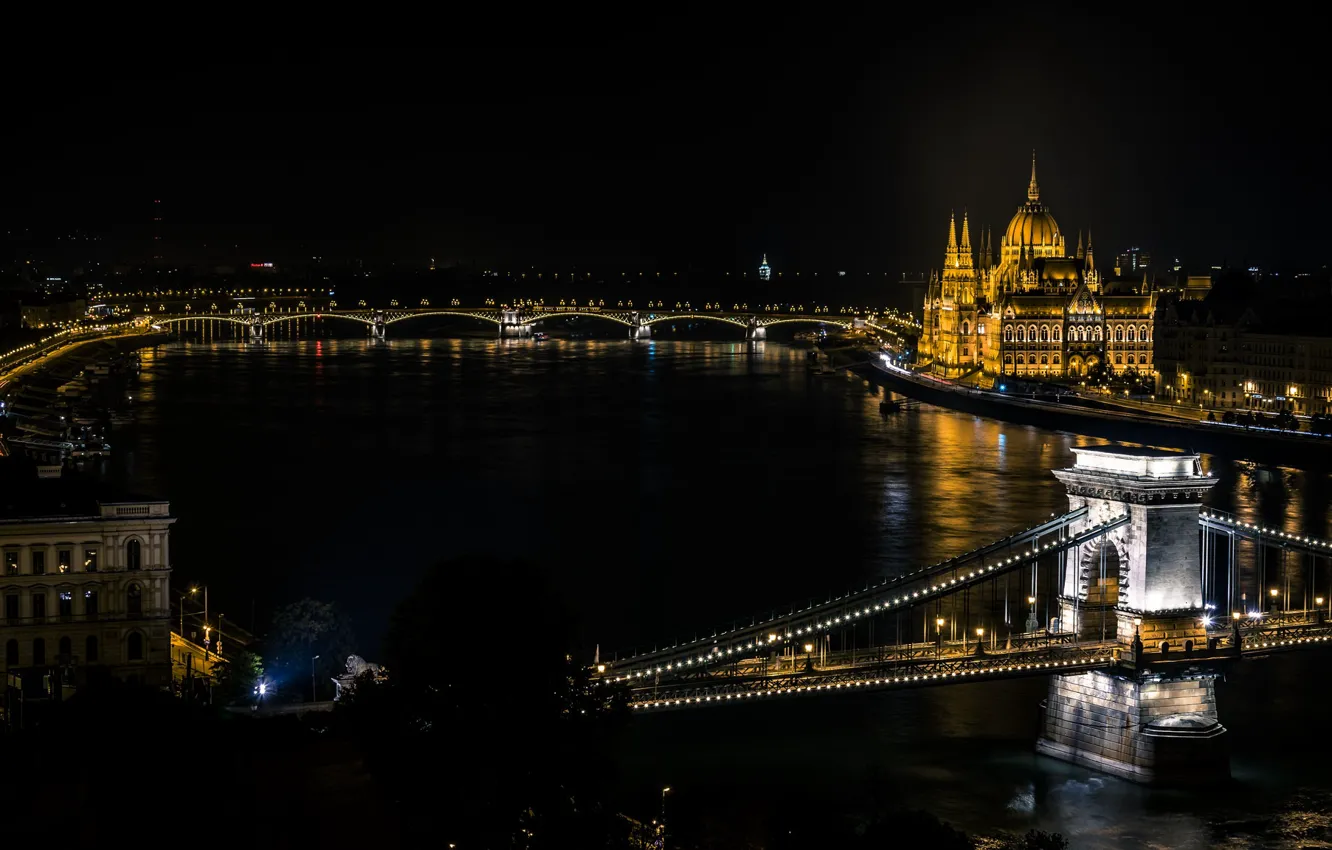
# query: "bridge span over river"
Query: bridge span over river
1134,602
515,322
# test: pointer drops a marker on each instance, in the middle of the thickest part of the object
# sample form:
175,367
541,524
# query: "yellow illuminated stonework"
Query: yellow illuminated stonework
1033,310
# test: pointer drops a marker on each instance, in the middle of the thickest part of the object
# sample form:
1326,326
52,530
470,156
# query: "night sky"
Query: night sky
828,140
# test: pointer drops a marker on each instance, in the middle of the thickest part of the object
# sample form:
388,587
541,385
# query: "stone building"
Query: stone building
1245,353
85,588
1034,310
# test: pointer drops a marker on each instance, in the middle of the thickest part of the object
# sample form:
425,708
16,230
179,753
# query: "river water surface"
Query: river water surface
669,486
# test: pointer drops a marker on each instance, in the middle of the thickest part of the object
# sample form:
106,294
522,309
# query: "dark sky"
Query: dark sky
836,139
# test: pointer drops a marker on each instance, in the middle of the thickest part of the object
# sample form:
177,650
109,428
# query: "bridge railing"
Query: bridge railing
1043,661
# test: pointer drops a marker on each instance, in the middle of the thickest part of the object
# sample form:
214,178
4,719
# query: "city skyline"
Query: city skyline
707,158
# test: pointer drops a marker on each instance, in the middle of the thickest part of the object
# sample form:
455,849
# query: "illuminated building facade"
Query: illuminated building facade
1034,310
85,590
765,271
1233,354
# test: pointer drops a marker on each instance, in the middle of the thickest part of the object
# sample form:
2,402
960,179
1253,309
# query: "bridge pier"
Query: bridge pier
256,331
1155,719
379,325
512,324
754,330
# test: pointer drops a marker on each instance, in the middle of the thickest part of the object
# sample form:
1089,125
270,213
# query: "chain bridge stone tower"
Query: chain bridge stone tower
1154,719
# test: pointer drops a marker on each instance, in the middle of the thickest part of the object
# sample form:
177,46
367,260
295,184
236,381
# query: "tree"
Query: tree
236,676
1211,416
520,727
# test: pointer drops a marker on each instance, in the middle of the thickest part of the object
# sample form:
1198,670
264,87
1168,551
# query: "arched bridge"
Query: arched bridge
522,322
1136,600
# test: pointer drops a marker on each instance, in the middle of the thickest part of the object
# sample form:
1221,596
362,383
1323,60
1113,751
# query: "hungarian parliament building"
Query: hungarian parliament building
1034,310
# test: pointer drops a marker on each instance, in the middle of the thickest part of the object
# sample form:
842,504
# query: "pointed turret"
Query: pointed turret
966,233
1080,253
1033,189
1091,264
952,233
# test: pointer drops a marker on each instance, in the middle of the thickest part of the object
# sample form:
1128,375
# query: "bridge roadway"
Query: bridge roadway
892,595
955,662
527,317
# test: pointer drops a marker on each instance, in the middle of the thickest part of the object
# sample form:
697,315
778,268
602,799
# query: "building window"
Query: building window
37,558
1008,333
1130,359
1131,334
966,328
1022,334
11,562
66,651
1031,333
39,606
134,647
1045,333
65,603
1056,333
132,552
1142,333
90,603
1119,358
1056,360
1044,361
11,653
90,560
64,558
38,652
12,607
134,600
90,649
1021,361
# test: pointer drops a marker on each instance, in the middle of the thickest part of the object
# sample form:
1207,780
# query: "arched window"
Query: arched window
134,647
1130,359
966,328
1045,333
11,653
1132,334
1021,360
1022,334
1056,333
90,650
1056,360
38,652
132,555
1008,333
1119,333
1044,360
1119,358
1098,333
66,650
1142,333
1079,334
134,600
1031,333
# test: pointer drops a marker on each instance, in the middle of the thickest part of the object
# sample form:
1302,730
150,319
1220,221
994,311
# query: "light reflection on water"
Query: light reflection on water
670,486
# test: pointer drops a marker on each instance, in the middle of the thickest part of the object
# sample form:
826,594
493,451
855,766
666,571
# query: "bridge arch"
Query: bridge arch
671,317
767,323
610,317
486,315
274,318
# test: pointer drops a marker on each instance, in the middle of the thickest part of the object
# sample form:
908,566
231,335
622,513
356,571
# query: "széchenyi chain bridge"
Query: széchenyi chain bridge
1136,600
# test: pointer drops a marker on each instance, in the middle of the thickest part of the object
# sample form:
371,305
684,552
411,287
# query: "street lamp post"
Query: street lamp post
314,694
809,662
1032,623
980,641
938,637
664,792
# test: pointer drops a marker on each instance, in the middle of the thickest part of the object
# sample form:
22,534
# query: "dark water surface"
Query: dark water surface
667,487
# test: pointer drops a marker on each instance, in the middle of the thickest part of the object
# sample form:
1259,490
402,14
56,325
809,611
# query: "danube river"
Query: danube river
666,487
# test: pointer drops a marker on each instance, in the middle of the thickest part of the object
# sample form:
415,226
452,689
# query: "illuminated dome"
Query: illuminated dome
1032,226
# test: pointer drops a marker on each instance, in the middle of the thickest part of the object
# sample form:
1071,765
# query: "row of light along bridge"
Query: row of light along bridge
1136,600
522,322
